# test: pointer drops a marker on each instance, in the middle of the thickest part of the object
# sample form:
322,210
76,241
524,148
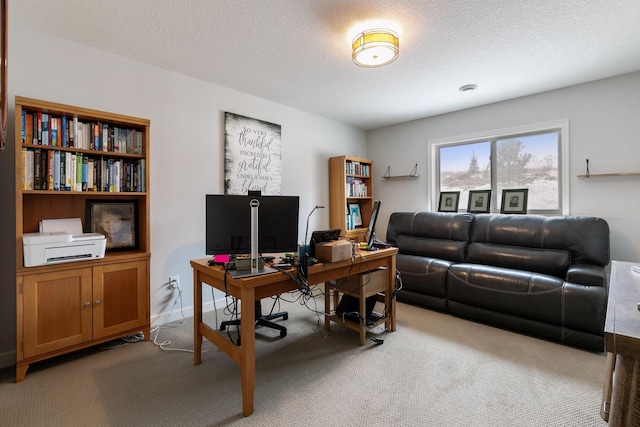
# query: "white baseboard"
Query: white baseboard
177,314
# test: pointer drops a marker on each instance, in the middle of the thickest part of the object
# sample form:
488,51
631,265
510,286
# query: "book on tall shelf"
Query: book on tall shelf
56,170
45,129
73,172
85,173
74,131
69,170
37,169
63,171
28,167
53,123
39,127
64,132
78,172
50,169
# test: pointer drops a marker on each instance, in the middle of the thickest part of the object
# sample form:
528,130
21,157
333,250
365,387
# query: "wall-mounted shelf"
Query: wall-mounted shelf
603,175
412,174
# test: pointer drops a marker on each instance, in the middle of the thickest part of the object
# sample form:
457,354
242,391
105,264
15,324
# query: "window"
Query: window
528,157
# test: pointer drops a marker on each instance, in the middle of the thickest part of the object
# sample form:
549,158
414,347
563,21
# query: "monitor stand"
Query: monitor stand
237,274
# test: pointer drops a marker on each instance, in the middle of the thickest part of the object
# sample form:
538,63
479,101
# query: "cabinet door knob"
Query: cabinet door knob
87,304
98,302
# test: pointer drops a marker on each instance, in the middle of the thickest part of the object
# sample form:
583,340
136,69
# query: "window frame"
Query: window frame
560,126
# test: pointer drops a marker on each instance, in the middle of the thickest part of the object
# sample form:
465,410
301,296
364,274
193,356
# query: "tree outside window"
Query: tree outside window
528,160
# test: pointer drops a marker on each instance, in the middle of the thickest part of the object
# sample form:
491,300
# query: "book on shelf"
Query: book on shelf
63,170
56,170
69,160
27,164
37,169
354,167
355,187
45,129
53,123
40,128
64,132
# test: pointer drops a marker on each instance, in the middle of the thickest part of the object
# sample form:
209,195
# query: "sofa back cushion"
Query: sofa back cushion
431,234
546,261
586,239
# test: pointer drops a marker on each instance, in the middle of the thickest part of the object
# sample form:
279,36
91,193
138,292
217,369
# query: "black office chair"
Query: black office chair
261,320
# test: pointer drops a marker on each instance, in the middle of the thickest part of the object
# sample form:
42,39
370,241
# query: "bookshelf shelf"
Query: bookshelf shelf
67,306
350,182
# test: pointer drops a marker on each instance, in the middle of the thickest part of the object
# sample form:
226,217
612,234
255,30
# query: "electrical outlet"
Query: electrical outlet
174,282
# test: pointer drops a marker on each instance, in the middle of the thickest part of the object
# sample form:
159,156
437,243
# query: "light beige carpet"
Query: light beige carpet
436,370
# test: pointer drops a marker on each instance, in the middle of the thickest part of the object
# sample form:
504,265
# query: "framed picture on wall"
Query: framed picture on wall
514,201
449,201
479,201
117,220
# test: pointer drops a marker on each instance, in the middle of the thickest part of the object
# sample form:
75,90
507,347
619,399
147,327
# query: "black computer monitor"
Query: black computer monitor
228,224
370,236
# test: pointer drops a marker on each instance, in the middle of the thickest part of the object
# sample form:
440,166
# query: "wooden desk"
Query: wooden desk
622,341
251,289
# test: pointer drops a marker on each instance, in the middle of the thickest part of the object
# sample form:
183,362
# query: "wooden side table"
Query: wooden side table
621,393
361,286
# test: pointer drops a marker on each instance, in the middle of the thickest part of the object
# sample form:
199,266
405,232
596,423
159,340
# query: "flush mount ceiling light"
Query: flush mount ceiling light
375,48
468,88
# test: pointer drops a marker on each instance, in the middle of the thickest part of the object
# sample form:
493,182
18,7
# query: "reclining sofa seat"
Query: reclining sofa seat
544,276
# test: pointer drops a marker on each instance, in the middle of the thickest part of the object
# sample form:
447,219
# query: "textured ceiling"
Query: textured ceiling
297,52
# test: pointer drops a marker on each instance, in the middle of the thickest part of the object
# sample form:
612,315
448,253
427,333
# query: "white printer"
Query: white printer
61,240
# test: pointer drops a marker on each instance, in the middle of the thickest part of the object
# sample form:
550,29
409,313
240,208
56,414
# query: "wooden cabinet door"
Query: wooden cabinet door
57,310
119,297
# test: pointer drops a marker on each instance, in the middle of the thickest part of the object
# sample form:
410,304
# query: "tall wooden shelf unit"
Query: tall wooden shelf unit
68,306
343,171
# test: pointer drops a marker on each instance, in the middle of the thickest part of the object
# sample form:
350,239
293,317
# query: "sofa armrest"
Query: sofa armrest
587,274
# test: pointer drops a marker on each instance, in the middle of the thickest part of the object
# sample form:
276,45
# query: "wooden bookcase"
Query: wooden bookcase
68,306
344,172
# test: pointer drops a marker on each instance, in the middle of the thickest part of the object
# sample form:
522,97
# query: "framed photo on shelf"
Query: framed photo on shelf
514,201
356,214
117,220
449,201
479,201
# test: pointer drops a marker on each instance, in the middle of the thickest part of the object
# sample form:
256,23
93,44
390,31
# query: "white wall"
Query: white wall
603,127
187,143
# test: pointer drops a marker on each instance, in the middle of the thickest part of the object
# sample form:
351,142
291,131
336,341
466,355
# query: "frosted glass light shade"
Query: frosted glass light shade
375,48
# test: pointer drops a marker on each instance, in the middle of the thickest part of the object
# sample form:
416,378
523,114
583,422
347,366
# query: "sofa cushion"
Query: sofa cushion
430,234
422,274
435,248
424,281
585,238
522,293
546,261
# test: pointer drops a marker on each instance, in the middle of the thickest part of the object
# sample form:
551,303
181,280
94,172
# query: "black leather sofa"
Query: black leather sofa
543,276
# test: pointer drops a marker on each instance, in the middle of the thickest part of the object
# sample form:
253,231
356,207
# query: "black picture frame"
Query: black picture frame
356,214
479,201
449,201
117,220
514,201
